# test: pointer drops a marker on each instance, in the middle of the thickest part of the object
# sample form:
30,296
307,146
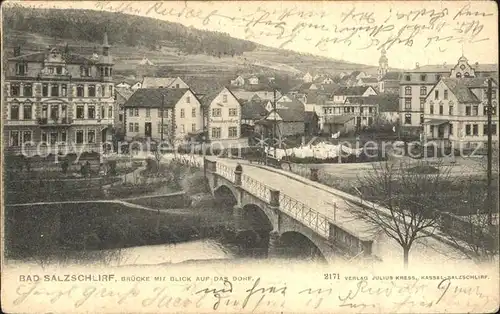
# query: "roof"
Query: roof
434,68
151,82
369,80
124,92
461,89
352,91
253,110
40,57
209,97
291,114
392,76
152,98
370,100
338,119
387,102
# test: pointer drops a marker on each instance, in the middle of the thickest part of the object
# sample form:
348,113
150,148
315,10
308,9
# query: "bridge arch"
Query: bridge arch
294,244
257,217
225,196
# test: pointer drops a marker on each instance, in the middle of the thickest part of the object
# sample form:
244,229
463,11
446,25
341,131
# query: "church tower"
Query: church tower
383,65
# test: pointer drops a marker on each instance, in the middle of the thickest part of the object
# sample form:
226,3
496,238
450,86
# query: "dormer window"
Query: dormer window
84,71
59,70
459,75
21,68
423,77
466,74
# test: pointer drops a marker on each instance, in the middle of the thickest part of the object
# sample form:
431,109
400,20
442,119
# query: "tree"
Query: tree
411,195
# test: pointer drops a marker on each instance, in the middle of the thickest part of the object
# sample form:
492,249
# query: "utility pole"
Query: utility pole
274,122
162,114
490,151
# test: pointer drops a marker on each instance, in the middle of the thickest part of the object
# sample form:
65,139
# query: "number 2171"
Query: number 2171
332,276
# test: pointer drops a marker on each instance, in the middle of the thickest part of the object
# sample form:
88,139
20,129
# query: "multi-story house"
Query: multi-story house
415,85
455,110
179,110
362,110
224,116
58,101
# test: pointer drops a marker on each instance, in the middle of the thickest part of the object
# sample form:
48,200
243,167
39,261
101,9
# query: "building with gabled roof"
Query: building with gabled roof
179,110
416,84
455,109
223,116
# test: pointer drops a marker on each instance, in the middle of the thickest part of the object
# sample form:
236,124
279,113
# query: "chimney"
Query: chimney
17,51
417,65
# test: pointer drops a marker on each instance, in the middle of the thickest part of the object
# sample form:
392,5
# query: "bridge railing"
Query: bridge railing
225,171
256,188
306,215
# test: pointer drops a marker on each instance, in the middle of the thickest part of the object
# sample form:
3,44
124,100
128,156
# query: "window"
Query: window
193,127
176,85
131,127
493,129
63,136
216,112
193,112
182,128
79,91
233,112
136,127
467,129
451,129
45,89
475,110
14,112
103,112
26,136
44,111
14,90
54,90
224,98
91,112
407,118
53,138
436,94
216,132
438,77
370,109
110,87
110,112
84,71
431,109
421,118
450,110
28,90
21,69
325,110
467,110
422,103
51,70
233,131
91,136
27,112
441,109
188,100
475,129
136,112
407,78
445,94
459,75
182,113
423,90
14,138
44,137
423,77
148,113
407,103
54,112
80,112
64,90
91,90
408,90
79,137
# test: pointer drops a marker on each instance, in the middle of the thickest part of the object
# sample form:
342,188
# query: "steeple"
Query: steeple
383,65
105,45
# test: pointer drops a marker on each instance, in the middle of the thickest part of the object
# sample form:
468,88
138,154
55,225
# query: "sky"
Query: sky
411,32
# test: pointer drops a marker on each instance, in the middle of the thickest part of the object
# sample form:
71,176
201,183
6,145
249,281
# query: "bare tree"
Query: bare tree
403,200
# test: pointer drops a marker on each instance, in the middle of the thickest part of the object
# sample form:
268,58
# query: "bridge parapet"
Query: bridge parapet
325,227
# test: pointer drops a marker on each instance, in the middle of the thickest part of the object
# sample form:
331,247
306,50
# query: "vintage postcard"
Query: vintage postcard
249,157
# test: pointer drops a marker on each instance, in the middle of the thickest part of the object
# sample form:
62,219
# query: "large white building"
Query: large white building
416,84
455,110
224,116
181,110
